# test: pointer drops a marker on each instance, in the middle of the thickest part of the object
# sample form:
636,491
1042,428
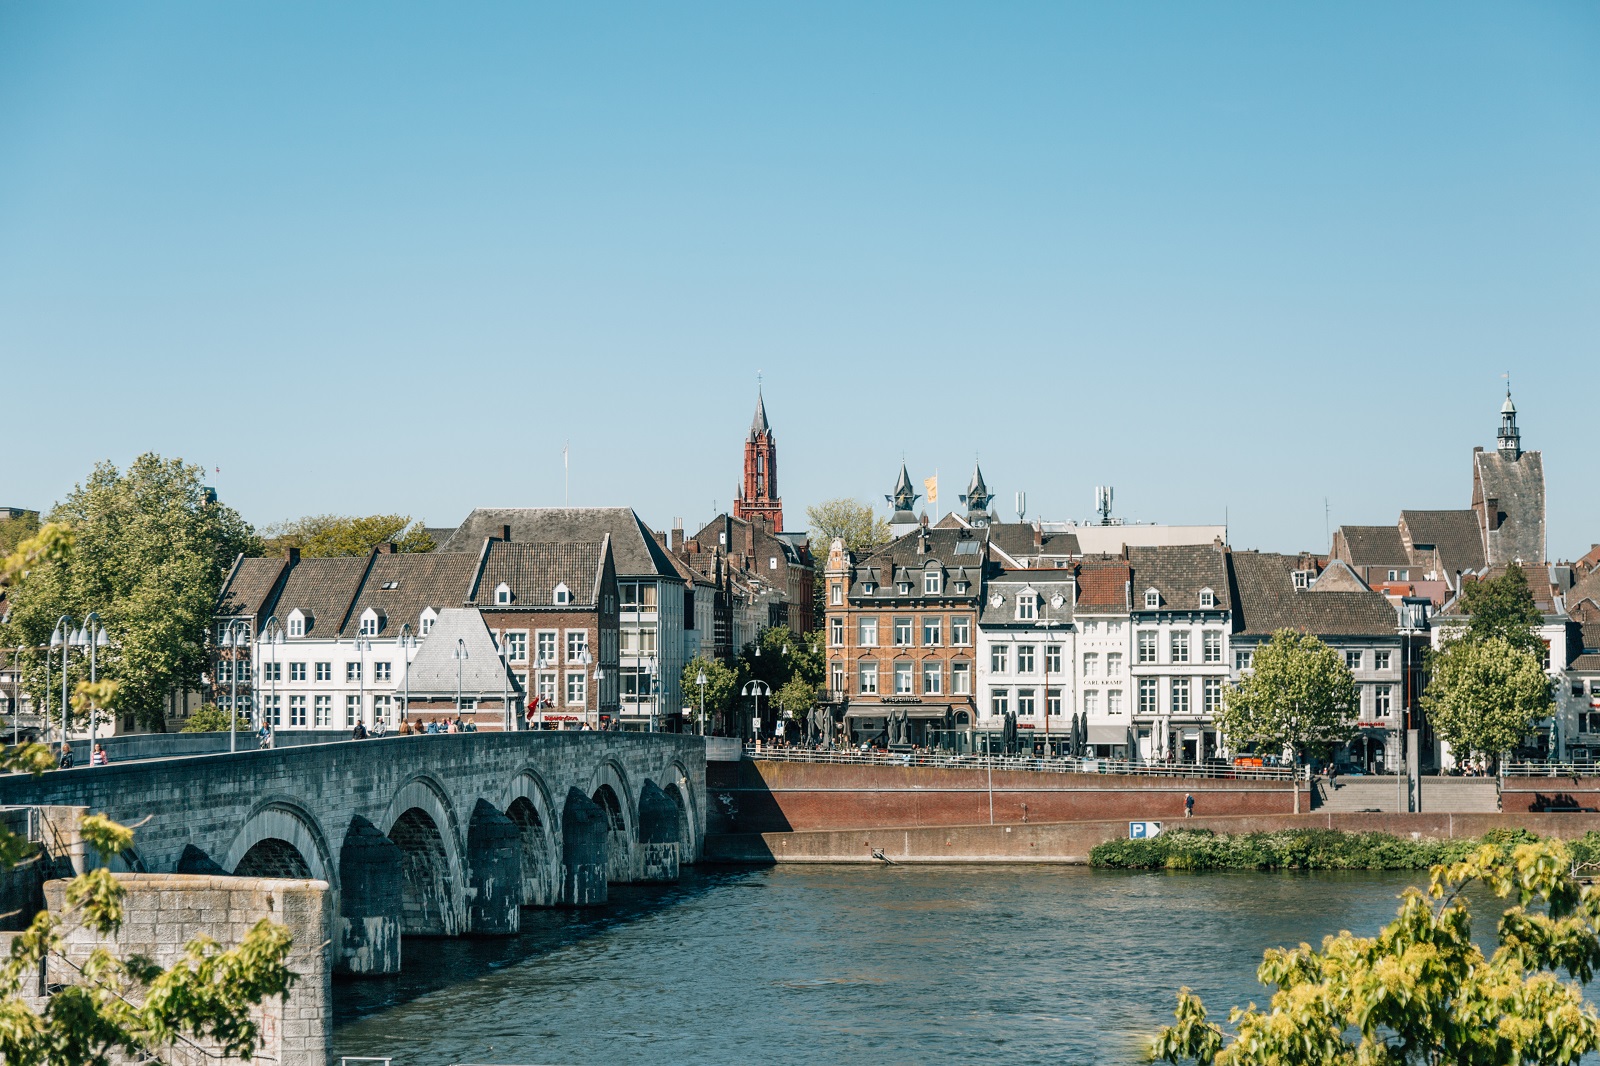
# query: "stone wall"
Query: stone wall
771,796
163,912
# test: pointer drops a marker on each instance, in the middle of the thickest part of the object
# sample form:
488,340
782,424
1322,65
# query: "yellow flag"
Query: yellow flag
932,485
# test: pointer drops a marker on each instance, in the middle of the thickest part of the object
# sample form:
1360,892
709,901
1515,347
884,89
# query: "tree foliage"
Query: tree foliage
125,1008
1421,991
322,536
213,719
721,684
862,530
1503,607
1298,695
147,550
796,697
1486,694
784,655
13,531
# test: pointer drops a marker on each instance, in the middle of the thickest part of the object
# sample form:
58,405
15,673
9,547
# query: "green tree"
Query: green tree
721,684
212,719
1421,992
13,531
1485,694
1503,607
322,536
862,530
149,548
123,1008
1298,695
796,697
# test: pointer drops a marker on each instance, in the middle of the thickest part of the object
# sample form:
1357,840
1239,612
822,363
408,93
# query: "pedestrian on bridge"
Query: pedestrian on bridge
98,756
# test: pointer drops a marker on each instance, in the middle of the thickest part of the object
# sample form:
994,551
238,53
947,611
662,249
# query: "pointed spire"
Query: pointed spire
1509,440
904,497
978,495
758,424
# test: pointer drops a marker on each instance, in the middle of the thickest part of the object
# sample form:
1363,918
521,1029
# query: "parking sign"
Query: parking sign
1143,830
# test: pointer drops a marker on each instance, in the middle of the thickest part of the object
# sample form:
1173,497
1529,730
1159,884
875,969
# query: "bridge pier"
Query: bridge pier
659,853
494,863
370,876
584,828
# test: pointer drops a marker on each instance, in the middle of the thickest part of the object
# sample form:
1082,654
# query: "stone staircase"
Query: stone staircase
1457,795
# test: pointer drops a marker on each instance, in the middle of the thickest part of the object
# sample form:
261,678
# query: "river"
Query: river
842,964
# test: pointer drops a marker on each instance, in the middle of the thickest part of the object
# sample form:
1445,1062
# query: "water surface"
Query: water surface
841,964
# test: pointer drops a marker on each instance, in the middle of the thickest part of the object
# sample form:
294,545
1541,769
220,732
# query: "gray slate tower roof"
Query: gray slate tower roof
482,673
977,497
758,424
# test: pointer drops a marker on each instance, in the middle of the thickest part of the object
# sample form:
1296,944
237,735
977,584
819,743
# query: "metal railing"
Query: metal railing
1067,765
1578,768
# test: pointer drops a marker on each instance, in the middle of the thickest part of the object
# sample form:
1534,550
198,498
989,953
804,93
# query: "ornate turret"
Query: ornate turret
1509,440
977,498
904,501
757,498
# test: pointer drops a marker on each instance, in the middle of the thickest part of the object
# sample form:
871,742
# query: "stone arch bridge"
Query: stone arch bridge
442,835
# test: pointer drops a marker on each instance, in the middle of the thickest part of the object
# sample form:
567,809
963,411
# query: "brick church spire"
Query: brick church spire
757,497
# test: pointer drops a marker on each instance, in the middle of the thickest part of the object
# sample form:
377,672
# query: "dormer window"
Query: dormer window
1027,606
1152,599
932,582
868,588
297,623
903,587
1302,579
562,595
1208,598
502,593
961,588
369,623
429,616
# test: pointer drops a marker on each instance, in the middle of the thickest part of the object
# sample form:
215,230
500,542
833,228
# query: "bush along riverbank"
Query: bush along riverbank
1306,849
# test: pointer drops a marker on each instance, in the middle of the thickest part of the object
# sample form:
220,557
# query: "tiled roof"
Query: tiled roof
435,579
1453,534
532,572
1538,587
1374,545
1518,485
436,668
1009,584
1267,601
249,586
1016,540
633,546
1103,586
952,549
322,590
1179,572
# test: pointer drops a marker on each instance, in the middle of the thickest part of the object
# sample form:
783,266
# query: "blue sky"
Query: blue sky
1229,258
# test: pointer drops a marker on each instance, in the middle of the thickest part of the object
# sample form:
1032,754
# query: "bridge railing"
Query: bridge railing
1069,765
1579,768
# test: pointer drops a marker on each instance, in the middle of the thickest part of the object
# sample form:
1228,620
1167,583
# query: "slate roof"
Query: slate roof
1374,546
1103,586
434,579
483,672
1010,583
532,572
322,590
1266,601
758,424
634,549
249,586
1455,535
1586,588
1016,540
1588,642
1518,485
960,553
1179,572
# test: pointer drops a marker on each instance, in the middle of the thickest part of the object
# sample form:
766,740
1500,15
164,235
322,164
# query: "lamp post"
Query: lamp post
16,698
655,695
234,637
1049,625
700,679
600,676
756,689
60,637
586,659
272,635
405,641
460,656
363,645
92,634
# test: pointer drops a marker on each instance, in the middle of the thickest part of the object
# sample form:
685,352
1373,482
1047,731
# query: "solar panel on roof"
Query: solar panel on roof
967,547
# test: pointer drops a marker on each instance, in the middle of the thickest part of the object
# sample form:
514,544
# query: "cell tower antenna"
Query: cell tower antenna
1102,502
1022,505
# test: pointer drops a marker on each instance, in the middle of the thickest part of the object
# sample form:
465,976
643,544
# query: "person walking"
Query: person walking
65,760
1188,805
98,756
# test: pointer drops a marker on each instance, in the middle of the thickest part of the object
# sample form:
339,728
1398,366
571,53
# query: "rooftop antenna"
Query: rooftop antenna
1102,503
1327,524
1022,505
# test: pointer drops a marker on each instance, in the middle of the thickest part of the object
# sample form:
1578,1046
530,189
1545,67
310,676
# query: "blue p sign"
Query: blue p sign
1143,830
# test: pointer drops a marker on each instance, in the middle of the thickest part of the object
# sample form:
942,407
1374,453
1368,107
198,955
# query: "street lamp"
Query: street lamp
1049,625
234,637
756,689
363,646
600,676
460,656
700,679
586,659
93,635
60,637
405,642
272,636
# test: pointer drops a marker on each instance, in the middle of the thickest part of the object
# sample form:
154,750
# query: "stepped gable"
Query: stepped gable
1267,601
532,572
1452,537
399,587
634,549
1179,572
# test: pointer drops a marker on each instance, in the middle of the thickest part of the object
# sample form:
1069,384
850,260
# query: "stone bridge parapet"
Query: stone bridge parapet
421,835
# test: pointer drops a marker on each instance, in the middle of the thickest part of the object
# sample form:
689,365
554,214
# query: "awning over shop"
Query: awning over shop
913,710
1108,734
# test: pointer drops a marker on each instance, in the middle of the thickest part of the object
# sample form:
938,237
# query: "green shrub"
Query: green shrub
1303,849
212,719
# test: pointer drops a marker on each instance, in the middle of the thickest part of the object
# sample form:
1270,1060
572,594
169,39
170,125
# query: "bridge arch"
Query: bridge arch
280,838
423,823
677,783
611,791
527,803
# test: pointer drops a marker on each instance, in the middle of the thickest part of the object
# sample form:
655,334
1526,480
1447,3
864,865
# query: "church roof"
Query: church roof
758,424
1518,487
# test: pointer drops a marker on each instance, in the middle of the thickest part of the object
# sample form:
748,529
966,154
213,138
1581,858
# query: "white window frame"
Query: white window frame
1152,599
562,596
932,582
1027,606
932,671
961,631
502,593
904,677
867,677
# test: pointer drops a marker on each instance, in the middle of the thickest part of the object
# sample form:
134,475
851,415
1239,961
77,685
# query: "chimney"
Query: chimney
293,555
677,535
505,533
1491,508
387,548
661,538
1038,534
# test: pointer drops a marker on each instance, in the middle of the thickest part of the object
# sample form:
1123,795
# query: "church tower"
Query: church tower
757,498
